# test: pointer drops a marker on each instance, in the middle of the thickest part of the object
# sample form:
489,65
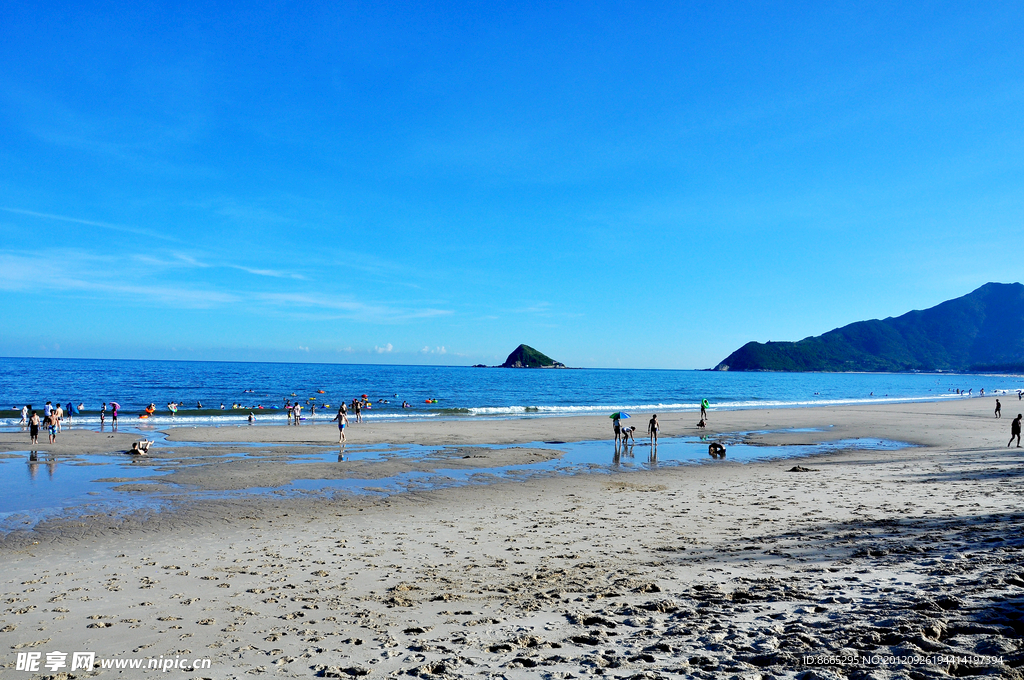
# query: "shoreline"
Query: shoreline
190,464
10,419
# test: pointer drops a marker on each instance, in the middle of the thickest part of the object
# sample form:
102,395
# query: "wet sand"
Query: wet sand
713,570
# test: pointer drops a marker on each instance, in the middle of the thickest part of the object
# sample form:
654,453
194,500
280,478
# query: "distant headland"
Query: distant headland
982,331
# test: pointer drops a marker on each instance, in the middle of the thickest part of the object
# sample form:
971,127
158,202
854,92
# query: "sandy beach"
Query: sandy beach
874,564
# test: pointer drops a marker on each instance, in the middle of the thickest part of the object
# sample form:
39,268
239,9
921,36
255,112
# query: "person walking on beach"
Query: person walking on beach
342,419
113,416
103,414
58,416
704,409
999,409
33,427
617,427
1015,430
652,429
359,411
51,424
296,411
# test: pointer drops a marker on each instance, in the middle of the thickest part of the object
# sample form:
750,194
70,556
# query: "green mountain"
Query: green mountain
981,331
525,356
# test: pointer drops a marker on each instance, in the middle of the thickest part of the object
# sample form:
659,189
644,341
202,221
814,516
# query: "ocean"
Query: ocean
461,392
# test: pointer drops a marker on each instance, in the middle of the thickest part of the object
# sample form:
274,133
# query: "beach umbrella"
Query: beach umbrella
619,414
114,405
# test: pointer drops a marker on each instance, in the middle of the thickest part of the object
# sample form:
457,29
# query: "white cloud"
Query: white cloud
383,350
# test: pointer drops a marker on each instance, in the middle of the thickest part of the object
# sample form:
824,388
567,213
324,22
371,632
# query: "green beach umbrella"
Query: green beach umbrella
619,414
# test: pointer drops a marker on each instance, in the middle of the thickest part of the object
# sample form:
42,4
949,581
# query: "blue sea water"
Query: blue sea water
461,392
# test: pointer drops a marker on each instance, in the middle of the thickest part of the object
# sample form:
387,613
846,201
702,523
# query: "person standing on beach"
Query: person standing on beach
33,427
51,424
617,427
342,419
58,416
358,406
999,409
1015,430
47,409
296,411
652,429
103,414
704,409
24,415
113,416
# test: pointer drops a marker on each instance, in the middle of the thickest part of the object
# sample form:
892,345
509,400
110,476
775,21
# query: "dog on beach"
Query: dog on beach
716,450
701,424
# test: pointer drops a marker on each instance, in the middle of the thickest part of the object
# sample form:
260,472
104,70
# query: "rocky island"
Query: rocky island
525,356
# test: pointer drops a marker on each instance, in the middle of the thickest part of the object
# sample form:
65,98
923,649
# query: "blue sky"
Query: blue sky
616,185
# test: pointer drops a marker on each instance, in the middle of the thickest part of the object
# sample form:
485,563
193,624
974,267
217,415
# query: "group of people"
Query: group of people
52,420
624,433
62,412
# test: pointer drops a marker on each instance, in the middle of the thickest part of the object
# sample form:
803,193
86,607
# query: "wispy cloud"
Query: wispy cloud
351,309
178,259
92,275
92,223
386,349
147,278
273,273
535,308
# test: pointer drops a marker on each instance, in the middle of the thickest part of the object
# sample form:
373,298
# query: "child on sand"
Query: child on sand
342,419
